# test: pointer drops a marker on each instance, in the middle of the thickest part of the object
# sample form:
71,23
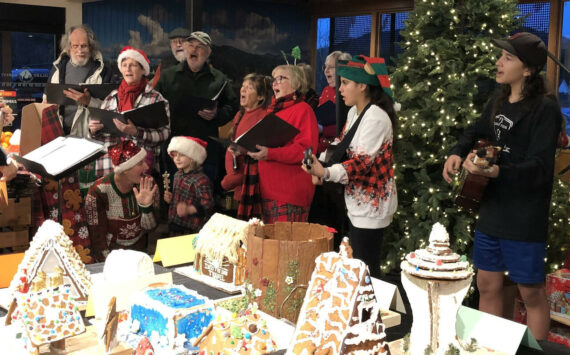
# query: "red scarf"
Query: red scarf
284,102
128,94
250,204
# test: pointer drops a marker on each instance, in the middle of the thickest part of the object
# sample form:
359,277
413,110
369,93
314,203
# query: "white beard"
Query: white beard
79,63
180,57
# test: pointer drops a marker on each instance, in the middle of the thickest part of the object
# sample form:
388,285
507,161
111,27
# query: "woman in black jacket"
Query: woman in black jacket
512,227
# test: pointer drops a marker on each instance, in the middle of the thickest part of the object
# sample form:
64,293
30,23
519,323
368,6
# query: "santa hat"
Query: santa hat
136,54
125,155
193,148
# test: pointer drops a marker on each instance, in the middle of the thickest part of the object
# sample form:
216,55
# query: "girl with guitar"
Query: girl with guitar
512,227
363,159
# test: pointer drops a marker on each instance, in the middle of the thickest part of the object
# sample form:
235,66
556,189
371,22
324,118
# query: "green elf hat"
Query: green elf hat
366,70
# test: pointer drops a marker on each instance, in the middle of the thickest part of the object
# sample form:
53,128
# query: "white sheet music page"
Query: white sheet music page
63,153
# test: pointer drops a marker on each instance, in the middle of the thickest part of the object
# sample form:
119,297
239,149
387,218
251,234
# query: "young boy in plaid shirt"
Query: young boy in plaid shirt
191,201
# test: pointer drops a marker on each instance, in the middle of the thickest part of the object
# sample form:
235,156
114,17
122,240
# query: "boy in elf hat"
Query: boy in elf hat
119,213
191,200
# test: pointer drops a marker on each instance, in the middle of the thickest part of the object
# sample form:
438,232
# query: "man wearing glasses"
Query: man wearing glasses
80,62
191,79
177,38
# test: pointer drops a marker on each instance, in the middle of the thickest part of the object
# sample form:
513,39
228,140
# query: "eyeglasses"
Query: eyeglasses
78,46
279,79
178,40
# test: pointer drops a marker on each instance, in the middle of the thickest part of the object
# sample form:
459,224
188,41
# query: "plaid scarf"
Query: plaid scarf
250,203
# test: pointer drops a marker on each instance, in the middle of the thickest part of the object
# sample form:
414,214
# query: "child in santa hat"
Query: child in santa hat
191,200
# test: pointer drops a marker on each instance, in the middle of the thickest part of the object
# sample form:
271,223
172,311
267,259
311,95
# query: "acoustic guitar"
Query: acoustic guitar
469,188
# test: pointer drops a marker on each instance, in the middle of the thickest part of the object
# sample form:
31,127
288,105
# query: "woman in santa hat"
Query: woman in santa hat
133,92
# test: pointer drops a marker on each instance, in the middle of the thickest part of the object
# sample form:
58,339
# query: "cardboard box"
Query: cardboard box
18,213
558,293
31,127
16,238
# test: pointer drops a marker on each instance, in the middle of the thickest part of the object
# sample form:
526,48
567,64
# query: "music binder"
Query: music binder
326,113
149,116
193,104
271,131
62,156
54,92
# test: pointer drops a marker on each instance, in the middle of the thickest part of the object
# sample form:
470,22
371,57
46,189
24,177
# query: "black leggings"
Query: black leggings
366,245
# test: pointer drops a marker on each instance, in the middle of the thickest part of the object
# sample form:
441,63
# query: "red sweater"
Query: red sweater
280,176
234,178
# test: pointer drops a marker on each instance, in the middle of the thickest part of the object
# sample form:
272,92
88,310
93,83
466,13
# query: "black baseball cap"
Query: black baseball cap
528,47
179,32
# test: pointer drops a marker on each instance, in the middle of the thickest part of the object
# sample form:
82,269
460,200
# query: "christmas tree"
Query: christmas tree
443,80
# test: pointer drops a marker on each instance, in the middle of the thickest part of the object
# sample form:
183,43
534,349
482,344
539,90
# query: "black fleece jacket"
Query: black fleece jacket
515,205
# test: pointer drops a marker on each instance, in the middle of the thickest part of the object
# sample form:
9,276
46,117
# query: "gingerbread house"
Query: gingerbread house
49,316
340,314
280,260
52,260
220,249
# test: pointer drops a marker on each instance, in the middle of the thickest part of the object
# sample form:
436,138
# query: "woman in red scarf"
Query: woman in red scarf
286,191
134,92
255,96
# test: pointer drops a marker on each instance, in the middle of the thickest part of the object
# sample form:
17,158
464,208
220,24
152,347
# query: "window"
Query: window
347,34
390,36
538,19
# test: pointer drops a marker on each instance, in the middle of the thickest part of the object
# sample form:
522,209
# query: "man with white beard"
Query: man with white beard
177,38
80,62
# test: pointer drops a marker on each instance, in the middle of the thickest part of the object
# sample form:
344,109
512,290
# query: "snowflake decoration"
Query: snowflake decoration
130,231
77,217
71,180
83,232
53,213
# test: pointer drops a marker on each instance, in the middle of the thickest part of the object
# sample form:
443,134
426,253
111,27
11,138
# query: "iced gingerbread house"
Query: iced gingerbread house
52,260
280,259
221,248
48,317
340,314
436,280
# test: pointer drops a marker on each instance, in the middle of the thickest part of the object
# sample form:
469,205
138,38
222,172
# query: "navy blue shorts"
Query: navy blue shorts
523,260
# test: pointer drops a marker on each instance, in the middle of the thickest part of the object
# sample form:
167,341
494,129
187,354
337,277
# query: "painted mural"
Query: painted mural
248,36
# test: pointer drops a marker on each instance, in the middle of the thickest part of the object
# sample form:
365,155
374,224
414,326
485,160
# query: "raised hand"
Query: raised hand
146,191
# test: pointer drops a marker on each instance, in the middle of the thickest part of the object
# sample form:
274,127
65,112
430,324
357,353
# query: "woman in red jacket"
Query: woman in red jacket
286,191
255,96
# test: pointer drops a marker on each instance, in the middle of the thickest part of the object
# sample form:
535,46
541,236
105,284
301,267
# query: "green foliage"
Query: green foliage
452,350
296,54
269,297
558,226
439,80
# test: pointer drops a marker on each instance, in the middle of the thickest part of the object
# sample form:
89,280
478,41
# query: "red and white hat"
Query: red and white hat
193,148
137,54
125,155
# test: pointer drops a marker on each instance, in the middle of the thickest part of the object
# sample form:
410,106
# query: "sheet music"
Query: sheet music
63,153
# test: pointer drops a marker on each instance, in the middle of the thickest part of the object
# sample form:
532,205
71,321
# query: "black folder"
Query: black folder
54,92
192,104
326,114
62,156
149,116
271,131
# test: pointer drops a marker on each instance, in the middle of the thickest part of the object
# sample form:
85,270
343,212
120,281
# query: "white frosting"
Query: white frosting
437,261
126,265
50,240
348,329
144,300
438,234
221,237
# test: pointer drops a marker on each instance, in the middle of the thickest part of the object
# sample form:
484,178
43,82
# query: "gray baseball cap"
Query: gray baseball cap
203,37
179,32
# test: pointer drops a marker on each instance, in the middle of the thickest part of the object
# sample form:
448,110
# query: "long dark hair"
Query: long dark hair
533,88
381,99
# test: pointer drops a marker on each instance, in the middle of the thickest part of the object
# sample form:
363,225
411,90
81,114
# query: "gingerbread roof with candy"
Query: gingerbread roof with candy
51,255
